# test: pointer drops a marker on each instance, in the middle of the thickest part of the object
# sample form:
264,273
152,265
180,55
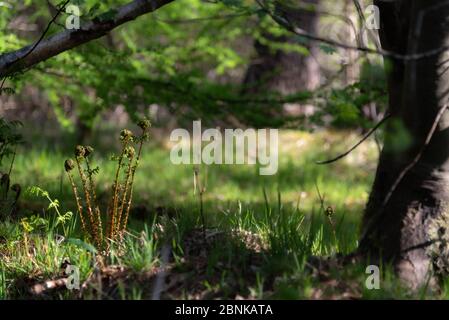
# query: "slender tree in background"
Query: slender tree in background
282,71
407,215
351,70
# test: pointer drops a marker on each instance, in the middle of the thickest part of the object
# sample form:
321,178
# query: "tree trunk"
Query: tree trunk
407,225
351,70
281,71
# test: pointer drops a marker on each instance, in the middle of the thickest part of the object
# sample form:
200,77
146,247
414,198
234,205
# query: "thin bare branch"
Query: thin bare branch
403,173
418,156
365,137
387,54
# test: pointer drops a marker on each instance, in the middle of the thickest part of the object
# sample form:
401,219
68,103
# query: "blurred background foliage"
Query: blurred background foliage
226,62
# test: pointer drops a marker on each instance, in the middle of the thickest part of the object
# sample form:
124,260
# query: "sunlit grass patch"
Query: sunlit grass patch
267,227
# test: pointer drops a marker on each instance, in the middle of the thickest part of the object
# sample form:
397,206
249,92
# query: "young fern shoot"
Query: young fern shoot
120,203
126,137
145,127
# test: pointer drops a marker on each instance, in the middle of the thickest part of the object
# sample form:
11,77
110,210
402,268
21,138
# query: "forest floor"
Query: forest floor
260,234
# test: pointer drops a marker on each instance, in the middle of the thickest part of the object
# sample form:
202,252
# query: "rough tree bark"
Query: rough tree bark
408,225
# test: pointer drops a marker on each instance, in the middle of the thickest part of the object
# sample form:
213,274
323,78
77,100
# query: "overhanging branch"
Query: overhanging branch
28,56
